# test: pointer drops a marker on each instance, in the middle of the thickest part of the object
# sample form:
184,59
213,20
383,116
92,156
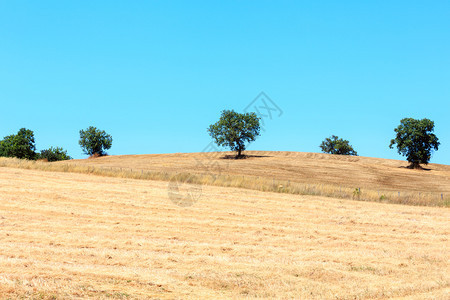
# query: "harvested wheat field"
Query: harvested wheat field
66,235
314,168
337,176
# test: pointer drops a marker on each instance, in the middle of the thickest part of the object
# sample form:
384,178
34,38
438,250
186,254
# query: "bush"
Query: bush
54,154
335,145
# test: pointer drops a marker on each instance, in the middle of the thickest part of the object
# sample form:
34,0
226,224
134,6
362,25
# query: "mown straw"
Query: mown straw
247,182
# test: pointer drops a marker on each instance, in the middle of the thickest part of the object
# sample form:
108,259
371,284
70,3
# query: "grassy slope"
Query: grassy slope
76,235
361,178
317,168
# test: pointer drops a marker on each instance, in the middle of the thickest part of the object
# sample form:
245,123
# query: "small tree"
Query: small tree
94,141
54,154
20,145
234,130
335,145
415,140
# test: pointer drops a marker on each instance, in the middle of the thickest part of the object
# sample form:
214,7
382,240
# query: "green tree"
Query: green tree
234,130
20,145
415,140
335,145
94,141
54,154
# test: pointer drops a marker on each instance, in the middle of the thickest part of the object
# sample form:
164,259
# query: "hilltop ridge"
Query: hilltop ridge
314,168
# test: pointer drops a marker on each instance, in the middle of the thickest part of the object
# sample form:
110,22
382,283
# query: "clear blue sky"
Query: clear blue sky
155,74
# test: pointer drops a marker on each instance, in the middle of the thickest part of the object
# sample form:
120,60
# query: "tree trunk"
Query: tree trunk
414,165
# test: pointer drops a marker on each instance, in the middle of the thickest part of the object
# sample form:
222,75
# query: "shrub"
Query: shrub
335,145
54,154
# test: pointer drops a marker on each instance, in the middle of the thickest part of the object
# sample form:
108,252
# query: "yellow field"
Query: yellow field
313,168
66,235
336,176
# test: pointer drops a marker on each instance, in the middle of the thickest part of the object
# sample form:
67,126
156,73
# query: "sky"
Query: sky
156,74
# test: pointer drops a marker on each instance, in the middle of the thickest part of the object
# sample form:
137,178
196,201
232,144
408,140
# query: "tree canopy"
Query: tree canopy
94,141
336,145
415,140
20,145
234,130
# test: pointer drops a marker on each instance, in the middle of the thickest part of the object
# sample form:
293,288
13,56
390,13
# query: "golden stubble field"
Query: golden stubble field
66,235
313,168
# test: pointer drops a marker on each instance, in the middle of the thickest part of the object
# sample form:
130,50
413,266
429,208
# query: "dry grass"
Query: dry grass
359,178
310,168
66,235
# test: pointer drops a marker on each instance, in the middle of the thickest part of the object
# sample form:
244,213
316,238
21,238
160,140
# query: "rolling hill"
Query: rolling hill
314,168
346,177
